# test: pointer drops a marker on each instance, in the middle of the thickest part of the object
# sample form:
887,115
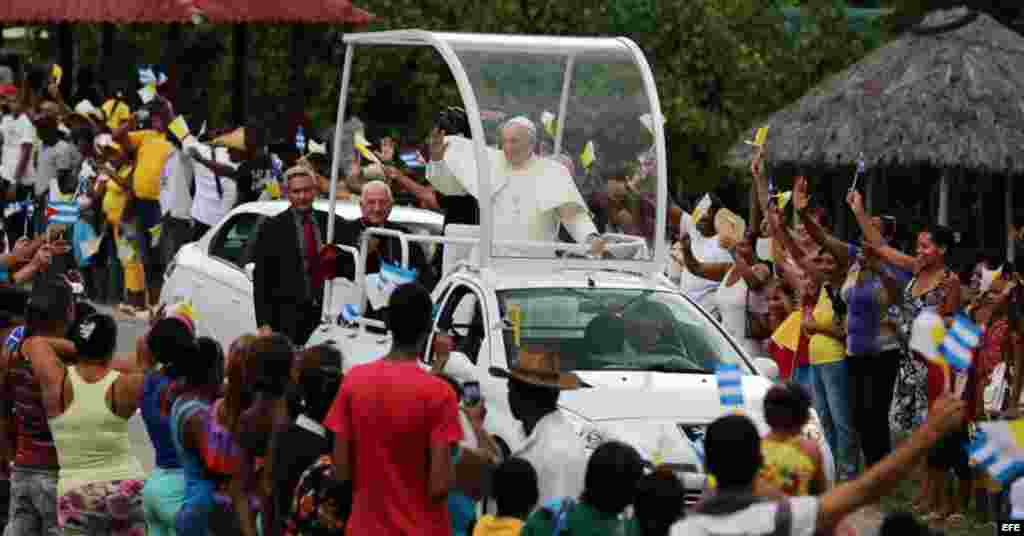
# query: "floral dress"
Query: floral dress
910,395
321,506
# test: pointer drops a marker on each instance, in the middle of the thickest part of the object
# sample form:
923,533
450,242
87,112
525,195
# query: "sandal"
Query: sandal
956,520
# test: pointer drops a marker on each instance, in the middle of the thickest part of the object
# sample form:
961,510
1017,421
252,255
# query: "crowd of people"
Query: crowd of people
267,438
837,319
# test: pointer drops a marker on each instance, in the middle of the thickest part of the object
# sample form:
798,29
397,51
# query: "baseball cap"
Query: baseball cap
95,336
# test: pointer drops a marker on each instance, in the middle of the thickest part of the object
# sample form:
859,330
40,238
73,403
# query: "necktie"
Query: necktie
312,254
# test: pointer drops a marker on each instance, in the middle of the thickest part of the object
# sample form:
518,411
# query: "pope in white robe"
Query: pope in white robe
530,195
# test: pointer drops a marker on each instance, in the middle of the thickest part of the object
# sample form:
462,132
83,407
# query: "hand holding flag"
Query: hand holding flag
861,168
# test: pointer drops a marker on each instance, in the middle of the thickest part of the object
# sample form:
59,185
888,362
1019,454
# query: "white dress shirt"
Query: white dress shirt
558,455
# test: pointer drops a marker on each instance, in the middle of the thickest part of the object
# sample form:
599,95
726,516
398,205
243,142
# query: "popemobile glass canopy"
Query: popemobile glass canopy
566,144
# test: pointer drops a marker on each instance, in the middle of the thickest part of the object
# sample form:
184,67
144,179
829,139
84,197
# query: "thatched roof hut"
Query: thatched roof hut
947,94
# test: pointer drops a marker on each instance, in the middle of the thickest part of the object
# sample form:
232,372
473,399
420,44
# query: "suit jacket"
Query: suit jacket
280,275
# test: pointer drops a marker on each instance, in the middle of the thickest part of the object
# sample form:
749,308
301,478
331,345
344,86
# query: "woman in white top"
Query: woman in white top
733,297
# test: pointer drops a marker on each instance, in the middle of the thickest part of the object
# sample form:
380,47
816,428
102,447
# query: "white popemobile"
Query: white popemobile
646,353
214,274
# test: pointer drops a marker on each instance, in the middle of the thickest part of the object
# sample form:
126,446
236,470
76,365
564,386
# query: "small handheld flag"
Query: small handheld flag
588,155
548,120
57,74
155,232
179,128
927,334
861,168
147,94
515,317
759,138
958,346
62,212
349,313
998,448
730,385
14,339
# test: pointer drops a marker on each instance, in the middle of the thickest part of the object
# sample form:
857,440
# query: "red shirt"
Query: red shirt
392,412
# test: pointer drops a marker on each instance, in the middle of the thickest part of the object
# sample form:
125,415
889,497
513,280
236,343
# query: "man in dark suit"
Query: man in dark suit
376,203
288,283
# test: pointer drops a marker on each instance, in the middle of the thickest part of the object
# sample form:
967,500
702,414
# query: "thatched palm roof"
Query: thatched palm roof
949,94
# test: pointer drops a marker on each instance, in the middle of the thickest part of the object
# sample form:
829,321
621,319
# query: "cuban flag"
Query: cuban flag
14,339
62,212
998,448
730,385
961,339
350,313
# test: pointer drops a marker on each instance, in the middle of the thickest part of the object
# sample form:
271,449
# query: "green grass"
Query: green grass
901,498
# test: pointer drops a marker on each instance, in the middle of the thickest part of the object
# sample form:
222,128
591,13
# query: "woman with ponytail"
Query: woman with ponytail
170,339
197,381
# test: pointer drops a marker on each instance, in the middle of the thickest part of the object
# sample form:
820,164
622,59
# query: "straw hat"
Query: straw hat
542,369
729,226
232,140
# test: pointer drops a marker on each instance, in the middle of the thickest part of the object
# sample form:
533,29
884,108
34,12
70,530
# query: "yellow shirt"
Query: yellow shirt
117,112
115,199
152,150
825,349
489,525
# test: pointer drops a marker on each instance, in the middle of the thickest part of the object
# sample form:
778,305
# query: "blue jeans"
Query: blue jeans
33,508
802,376
832,402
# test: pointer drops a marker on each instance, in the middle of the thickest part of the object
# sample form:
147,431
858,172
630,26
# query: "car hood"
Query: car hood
691,398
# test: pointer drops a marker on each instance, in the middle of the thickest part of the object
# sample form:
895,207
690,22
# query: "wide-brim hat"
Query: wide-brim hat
729,226
542,369
232,140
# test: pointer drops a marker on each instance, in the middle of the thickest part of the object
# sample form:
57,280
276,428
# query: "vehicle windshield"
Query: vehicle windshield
614,329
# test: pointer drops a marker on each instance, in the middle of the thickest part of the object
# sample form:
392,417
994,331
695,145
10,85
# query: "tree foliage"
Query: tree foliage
719,64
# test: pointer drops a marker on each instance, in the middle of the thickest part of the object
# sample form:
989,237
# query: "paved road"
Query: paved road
129,330
864,523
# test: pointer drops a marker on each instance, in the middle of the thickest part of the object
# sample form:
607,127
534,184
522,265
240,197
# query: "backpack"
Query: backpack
722,504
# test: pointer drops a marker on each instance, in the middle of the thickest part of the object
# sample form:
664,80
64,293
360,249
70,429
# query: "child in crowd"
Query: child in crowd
792,463
515,492
659,502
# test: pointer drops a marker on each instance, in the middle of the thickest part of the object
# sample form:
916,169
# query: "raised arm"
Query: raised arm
782,237
710,271
839,249
892,256
760,183
424,194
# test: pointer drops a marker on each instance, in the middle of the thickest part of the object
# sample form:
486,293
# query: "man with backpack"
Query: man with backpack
733,447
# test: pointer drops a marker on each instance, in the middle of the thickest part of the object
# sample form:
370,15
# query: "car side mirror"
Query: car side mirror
767,367
250,271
